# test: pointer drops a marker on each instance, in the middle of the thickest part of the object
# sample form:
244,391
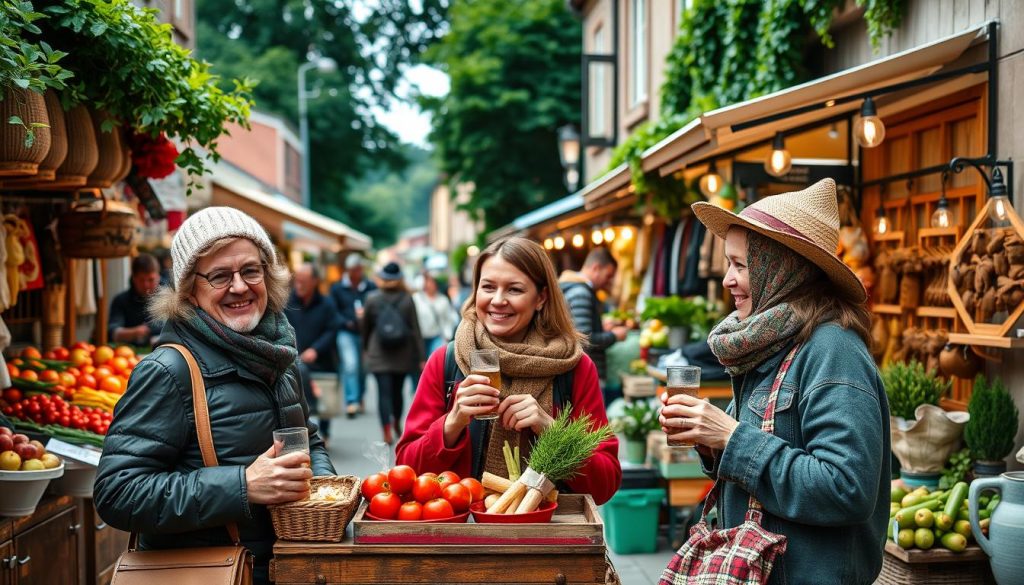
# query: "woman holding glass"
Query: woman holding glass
226,308
517,310
822,476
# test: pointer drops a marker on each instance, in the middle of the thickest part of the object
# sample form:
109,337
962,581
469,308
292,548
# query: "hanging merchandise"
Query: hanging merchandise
5,288
31,270
15,256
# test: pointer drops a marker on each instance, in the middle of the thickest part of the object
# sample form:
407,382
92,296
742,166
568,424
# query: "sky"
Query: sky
405,119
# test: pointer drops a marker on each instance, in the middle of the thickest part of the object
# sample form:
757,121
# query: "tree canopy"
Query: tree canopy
514,68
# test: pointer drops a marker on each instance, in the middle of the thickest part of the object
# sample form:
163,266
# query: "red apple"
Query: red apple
6,443
20,438
26,451
6,431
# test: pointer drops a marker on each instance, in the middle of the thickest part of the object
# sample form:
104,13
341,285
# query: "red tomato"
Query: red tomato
12,395
373,485
385,505
410,511
448,477
458,496
437,508
401,478
426,488
476,489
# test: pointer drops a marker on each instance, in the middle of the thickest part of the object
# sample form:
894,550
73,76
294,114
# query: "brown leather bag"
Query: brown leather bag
211,565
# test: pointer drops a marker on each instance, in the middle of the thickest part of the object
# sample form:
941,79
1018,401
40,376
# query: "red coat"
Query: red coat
422,444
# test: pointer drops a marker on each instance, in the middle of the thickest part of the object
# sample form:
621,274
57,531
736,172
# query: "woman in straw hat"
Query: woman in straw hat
822,477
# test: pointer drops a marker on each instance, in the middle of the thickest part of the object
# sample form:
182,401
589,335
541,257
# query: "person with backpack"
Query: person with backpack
392,345
516,308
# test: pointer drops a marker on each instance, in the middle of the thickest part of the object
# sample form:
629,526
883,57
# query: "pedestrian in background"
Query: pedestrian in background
393,345
230,289
316,321
349,296
436,314
129,320
580,290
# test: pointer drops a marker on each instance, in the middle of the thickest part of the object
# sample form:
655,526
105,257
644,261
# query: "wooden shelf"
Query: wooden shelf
950,232
945,312
887,309
987,341
896,236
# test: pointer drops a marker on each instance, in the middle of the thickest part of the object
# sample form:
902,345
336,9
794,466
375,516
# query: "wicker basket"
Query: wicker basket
98,229
896,572
17,160
318,520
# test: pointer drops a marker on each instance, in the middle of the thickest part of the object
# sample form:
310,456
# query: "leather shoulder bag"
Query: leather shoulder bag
211,565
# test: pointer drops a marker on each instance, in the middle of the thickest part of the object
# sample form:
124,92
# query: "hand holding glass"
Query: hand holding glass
485,362
682,380
290,440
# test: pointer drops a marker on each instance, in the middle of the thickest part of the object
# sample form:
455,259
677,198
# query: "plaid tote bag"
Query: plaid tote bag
742,555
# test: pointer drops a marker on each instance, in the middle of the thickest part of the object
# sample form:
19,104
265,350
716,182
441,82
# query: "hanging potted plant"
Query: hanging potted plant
923,434
638,418
991,432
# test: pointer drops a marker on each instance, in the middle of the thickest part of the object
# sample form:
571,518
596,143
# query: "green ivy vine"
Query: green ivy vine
728,51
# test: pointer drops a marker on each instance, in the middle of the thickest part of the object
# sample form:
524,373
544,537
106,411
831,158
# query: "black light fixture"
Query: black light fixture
942,217
868,130
779,161
569,155
999,210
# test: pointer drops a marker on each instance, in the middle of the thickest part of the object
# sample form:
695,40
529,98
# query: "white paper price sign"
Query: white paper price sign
90,455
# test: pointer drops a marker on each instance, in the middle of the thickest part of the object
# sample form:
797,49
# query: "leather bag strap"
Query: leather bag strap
202,415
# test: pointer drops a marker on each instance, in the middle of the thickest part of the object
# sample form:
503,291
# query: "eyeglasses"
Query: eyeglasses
250,273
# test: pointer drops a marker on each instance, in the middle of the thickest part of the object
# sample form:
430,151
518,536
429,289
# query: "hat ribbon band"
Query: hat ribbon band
774,223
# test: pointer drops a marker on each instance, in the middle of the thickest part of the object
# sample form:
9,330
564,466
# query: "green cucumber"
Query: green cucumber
905,517
30,385
954,541
956,498
991,507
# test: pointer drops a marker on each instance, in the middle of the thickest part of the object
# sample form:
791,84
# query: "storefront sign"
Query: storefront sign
748,173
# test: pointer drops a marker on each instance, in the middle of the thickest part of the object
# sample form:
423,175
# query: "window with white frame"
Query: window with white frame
637,52
600,88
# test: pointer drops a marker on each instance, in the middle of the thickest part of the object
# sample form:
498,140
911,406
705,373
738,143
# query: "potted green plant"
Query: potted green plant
992,429
675,313
638,418
923,434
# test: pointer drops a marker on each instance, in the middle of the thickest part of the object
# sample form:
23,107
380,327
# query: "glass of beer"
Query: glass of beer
682,380
484,362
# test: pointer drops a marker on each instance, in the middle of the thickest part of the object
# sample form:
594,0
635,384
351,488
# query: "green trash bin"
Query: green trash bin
631,520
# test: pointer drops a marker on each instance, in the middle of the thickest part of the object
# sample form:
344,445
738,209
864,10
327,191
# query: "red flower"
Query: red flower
153,157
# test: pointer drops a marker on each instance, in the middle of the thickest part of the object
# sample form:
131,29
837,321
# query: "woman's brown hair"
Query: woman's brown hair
553,319
821,301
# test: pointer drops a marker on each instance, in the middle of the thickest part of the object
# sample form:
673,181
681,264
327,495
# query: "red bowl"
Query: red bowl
456,519
539,516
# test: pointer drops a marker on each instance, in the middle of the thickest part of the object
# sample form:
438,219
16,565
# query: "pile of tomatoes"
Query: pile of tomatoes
399,494
47,409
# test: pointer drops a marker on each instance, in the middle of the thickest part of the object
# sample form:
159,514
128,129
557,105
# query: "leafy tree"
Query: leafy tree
515,78
372,43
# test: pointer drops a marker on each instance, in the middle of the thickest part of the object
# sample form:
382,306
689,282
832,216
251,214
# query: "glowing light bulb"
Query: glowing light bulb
999,211
609,234
882,225
942,218
869,131
779,161
627,233
577,240
711,183
549,244
597,236
559,242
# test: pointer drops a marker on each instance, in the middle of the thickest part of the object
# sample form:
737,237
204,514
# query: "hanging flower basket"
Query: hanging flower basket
19,155
112,153
98,229
47,170
82,153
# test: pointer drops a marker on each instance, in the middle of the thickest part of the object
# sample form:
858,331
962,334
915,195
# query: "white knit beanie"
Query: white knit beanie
204,228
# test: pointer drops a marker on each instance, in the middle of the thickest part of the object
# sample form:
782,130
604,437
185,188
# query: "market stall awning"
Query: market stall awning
716,132
614,182
285,219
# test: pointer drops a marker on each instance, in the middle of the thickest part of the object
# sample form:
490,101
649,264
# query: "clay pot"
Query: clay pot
17,160
959,361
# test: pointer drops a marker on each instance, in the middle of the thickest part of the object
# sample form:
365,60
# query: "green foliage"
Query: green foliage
672,311
956,469
992,428
566,445
126,63
26,61
909,386
514,68
638,418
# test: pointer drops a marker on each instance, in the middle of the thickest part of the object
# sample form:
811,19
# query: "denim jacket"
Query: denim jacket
823,477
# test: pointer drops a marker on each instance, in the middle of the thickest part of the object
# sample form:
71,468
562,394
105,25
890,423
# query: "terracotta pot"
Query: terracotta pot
111,153
959,361
58,146
82,154
15,159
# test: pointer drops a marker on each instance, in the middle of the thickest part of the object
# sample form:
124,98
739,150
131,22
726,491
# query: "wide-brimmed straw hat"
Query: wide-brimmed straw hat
806,222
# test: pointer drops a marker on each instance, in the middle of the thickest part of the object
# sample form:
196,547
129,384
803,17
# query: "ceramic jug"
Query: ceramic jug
1006,529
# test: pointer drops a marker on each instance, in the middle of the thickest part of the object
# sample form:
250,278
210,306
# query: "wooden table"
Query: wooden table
346,562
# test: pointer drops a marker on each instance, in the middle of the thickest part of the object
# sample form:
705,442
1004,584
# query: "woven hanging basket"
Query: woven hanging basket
98,229
111,153
82,155
126,158
17,160
58,147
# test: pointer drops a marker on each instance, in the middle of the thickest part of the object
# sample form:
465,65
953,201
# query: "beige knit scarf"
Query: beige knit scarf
527,367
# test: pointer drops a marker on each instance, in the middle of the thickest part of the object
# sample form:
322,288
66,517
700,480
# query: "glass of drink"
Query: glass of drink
484,362
290,440
682,380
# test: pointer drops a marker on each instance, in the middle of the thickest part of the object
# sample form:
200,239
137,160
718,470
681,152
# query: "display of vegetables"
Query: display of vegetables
924,519
400,494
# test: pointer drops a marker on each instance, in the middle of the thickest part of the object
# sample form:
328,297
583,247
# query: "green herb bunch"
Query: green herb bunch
672,311
956,469
566,445
992,428
638,418
908,386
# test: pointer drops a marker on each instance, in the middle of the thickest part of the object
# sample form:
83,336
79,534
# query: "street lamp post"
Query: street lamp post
569,155
323,65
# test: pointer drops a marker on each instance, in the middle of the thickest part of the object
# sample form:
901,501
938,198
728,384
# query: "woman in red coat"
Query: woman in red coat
517,309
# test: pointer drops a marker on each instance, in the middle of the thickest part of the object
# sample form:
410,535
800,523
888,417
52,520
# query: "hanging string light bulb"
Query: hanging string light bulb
609,234
597,236
881,221
779,161
868,130
627,233
577,240
559,242
711,183
999,210
549,243
942,217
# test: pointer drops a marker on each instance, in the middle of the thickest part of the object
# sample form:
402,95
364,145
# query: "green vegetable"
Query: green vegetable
992,428
962,527
30,385
956,498
566,445
954,541
897,494
991,507
909,386
924,538
956,468
943,521
924,518
905,539
905,517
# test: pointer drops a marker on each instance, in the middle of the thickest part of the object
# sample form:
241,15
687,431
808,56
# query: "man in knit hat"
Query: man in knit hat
349,294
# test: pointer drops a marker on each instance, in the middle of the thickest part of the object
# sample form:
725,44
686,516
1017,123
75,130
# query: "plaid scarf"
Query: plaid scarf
268,351
775,273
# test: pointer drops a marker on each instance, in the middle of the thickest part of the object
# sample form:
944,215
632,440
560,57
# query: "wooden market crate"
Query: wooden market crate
576,522
934,567
634,386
